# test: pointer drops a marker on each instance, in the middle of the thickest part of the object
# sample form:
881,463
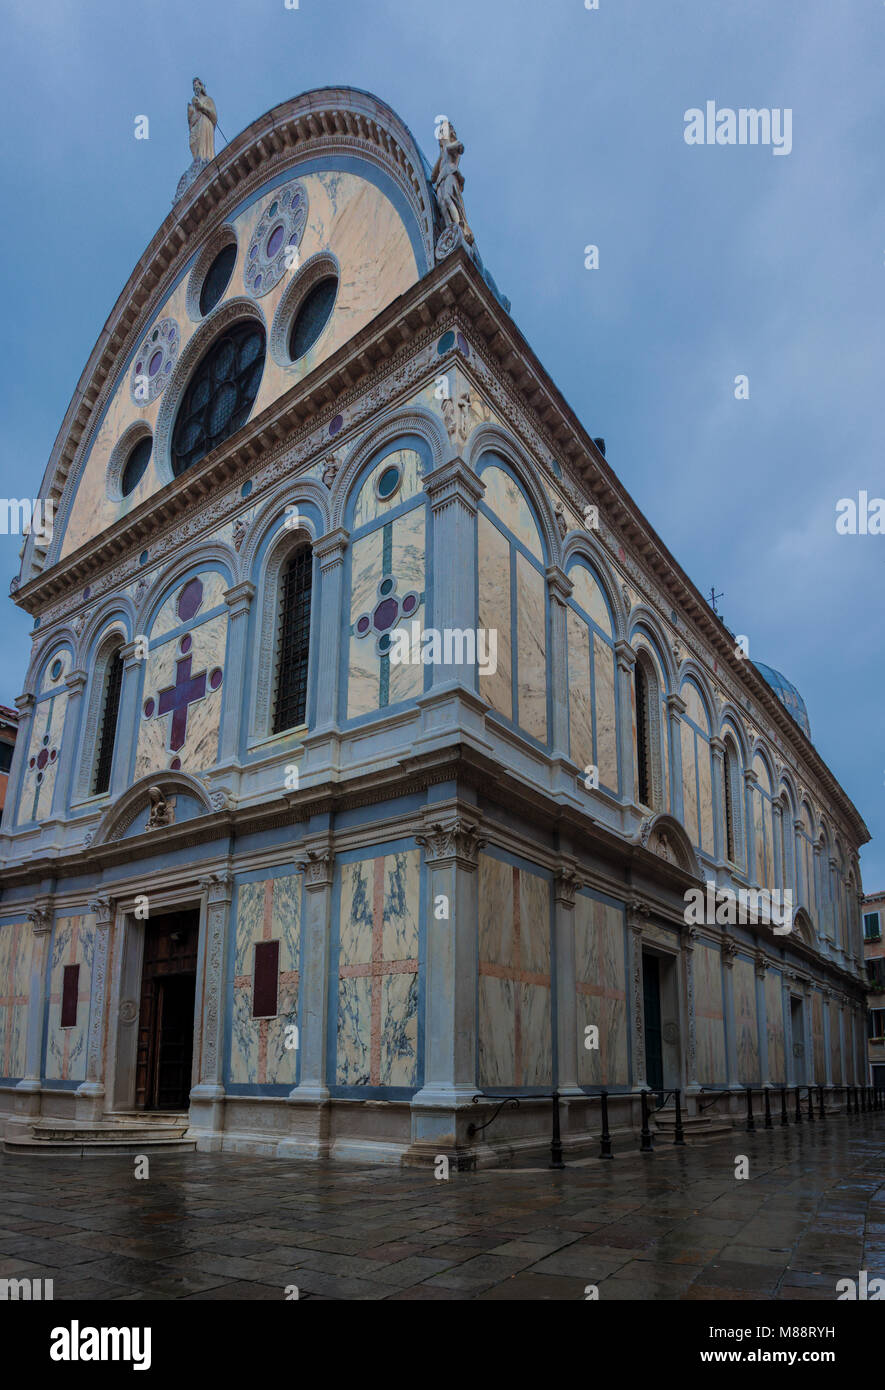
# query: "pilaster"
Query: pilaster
90,1094
27,1100
637,917
239,601
329,550
565,885
207,1097
451,844
454,490
676,707
75,685
729,951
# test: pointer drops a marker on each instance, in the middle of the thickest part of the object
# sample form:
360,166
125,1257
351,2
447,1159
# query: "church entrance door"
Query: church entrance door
166,1013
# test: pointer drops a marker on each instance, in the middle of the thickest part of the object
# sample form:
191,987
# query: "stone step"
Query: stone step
114,1136
77,1148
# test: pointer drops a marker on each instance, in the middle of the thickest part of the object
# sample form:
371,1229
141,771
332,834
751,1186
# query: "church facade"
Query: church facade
372,742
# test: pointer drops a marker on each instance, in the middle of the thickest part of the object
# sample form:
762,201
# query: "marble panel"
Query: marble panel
606,726
531,591
494,613
506,500
579,691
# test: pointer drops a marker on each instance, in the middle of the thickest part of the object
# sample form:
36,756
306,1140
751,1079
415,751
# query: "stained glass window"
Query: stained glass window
295,593
220,394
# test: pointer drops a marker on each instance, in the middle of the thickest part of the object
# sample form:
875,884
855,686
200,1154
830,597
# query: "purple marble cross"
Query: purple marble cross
179,697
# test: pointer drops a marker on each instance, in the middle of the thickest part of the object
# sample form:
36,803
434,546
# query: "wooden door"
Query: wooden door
166,1016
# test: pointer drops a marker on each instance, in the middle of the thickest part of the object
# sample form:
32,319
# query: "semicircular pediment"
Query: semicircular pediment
154,803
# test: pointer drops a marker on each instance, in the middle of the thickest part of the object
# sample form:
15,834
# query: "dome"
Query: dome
787,694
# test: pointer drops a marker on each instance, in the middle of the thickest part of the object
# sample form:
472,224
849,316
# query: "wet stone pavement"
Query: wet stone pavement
678,1225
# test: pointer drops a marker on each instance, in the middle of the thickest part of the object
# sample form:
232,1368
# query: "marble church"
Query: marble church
372,739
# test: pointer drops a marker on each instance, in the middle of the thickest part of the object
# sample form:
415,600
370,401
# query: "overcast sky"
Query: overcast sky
715,260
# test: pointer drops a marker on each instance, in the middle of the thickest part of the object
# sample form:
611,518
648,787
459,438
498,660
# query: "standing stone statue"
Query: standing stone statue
202,119
448,181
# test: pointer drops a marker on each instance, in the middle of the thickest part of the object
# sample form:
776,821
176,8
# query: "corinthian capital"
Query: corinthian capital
458,839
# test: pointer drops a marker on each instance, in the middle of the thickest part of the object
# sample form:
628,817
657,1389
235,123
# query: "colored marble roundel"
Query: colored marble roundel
275,239
154,360
386,613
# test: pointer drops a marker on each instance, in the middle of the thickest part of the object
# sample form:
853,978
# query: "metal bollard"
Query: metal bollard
556,1139
646,1145
768,1124
678,1132
798,1108
605,1139
811,1105
751,1123
820,1102
784,1117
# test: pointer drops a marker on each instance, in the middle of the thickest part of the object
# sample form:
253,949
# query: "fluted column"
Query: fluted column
239,601
318,867
40,918
75,684
637,916
329,551
559,588
626,660
454,490
676,707
92,1089
690,938
565,885
451,852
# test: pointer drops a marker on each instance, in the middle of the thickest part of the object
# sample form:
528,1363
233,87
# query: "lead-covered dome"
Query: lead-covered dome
788,695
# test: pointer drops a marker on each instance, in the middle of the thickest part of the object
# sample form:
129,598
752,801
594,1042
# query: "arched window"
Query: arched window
290,703
220,394
729,807
732,797
108,733
648,735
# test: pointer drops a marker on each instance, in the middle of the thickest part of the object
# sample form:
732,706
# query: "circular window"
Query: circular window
217,278
388,482
312,316
274,246
154,360
136,463
55,670
220,394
